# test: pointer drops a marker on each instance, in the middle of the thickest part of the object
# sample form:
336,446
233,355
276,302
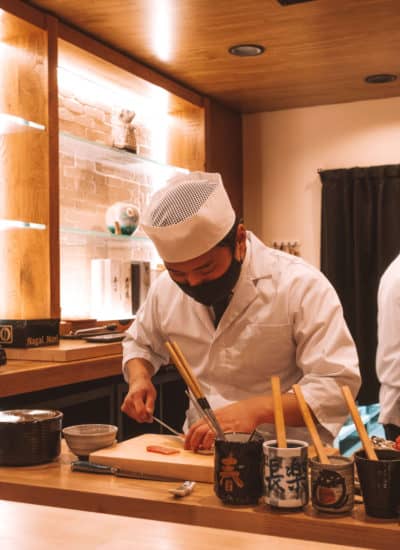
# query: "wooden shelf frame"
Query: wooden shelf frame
198,147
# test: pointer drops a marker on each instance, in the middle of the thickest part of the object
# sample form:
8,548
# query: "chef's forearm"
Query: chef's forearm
138,368
291,410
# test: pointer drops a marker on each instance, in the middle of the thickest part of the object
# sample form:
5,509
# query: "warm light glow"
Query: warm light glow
159,130
17,224
86,86
151,111
161,29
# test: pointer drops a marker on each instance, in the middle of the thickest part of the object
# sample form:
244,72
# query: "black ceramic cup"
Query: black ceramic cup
380,483
239,469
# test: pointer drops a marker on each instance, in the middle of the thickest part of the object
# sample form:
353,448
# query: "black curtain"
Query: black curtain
360,236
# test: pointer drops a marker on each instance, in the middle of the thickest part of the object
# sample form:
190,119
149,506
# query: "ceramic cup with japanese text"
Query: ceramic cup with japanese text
286,482
332,485
239,469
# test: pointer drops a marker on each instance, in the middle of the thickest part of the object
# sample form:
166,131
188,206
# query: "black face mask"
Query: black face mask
212,292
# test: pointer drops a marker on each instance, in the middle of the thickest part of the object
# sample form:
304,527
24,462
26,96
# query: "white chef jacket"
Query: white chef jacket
388,350
284,319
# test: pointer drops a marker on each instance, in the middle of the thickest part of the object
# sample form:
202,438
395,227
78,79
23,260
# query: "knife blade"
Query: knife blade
93,467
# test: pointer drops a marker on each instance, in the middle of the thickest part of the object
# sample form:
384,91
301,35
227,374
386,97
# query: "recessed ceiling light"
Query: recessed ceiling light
290,2
246,50
380,78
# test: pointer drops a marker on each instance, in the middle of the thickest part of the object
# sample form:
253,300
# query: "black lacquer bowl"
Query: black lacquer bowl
29,436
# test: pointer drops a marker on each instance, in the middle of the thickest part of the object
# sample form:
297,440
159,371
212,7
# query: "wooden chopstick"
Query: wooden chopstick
362,432
181,368
198,393
309,422
194,386
278,412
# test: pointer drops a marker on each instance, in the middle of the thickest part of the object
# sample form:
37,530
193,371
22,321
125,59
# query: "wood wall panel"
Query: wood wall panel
25,274
23,78
25,264
224,149
186,138
53,162
24,175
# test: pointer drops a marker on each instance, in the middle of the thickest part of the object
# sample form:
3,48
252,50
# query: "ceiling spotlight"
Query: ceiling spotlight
246,50
380,78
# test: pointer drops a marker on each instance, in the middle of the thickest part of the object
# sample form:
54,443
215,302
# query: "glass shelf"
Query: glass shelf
99,152
103,234
20,224
10,124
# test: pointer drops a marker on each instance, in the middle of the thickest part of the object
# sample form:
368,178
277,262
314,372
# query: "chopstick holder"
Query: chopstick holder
278,412
190,380
362,432
309,422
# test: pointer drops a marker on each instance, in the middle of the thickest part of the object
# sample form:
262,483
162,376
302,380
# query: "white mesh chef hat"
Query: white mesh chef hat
188,216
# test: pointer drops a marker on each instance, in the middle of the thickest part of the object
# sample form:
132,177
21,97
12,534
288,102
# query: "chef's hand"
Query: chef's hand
141,396
242,416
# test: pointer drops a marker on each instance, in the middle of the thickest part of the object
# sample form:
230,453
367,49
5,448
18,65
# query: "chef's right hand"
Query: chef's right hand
141,396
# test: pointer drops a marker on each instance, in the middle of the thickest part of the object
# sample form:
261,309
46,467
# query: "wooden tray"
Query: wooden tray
66,350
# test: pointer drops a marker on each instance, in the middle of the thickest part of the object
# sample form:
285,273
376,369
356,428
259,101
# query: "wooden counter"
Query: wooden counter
23,376
54,484
34,527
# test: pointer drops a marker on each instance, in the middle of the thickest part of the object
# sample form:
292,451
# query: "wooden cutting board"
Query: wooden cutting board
132,454
66,350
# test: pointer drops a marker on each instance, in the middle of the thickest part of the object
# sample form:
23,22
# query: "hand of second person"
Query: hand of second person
242,416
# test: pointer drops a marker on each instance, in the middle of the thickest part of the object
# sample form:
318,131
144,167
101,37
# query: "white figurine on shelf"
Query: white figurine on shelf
124,132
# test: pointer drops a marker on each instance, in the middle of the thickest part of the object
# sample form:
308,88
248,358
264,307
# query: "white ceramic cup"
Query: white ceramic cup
286,482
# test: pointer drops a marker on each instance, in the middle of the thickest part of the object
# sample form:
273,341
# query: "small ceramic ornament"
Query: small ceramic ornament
124,132
122,218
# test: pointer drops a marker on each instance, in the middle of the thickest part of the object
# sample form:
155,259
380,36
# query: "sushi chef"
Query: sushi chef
240,312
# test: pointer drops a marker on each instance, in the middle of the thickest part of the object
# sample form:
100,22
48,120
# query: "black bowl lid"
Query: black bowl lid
17,416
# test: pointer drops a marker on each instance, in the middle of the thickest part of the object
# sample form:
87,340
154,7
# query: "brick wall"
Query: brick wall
88,186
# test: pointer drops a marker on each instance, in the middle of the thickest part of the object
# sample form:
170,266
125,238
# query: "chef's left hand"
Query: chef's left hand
242,416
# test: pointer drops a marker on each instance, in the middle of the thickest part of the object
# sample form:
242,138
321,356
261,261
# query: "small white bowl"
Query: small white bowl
84,439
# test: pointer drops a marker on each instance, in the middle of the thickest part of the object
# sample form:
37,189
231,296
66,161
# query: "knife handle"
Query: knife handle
90,467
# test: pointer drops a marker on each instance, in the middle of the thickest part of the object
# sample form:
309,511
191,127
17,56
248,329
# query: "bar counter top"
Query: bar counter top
24,376
34,527
54,484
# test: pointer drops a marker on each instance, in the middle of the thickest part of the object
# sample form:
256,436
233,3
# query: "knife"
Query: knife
93,467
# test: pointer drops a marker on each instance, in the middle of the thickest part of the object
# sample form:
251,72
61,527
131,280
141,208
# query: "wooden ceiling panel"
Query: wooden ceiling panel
316,52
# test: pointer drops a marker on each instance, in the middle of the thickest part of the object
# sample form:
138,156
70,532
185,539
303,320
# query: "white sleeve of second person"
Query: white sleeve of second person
143,339
326,352
388,351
